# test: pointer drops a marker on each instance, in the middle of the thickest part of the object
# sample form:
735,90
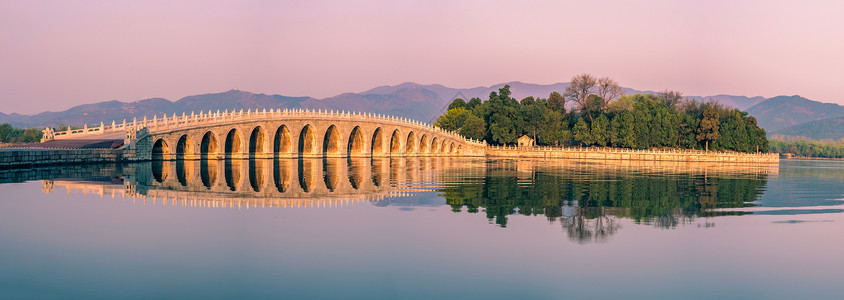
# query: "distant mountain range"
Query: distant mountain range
419,102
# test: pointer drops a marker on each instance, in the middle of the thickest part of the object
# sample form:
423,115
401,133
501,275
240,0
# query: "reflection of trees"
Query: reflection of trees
589,206
582,227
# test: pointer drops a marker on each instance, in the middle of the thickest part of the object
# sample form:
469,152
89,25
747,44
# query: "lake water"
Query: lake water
423,229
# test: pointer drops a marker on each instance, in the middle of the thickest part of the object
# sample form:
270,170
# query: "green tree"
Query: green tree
557,102
453,119
556,130
457,103
625,135
533,118
582,133
707,130
474,102
601,131
474,127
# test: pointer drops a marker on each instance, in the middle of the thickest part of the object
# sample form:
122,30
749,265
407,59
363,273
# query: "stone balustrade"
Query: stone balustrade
184,121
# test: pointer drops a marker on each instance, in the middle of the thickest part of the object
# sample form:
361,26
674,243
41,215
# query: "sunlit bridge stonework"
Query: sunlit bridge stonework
280,133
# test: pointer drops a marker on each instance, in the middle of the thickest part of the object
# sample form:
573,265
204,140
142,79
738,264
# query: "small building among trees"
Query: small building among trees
526,141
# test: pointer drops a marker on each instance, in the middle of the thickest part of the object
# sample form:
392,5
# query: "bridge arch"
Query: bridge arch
423,144
184,147
411,143
208,172
282,144
435,145
257,142
459,150
395,143
307,141
446,147
234,143
356,142
281,174
232,172
256,174
208,146
160,150
377,142
331,142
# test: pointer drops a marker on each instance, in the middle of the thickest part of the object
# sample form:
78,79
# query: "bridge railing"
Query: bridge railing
185,121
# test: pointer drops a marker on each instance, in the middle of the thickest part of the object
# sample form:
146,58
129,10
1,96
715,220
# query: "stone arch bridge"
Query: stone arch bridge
281,133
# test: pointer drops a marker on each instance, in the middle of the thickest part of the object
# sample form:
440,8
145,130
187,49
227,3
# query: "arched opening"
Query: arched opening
459,150
281,174
423,144
208,172
331,142
356,166
282,143
307,141
256,142
160,150
355,146
306,174
184,148
377,171
411,143
395,142
451,148
208,147
256,174
233,143
232,169
446,147
377,142
330,172
185,171
160,169
435,145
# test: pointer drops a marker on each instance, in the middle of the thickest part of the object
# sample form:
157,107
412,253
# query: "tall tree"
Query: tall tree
457,103
707,130
600,130
579,90
533,117
670,98
473,127
557,102
608,90
582,133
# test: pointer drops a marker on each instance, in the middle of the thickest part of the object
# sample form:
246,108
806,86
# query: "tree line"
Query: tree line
603,116
809,148
9,134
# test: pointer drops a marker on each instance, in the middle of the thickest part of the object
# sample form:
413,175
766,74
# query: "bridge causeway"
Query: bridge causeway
278,133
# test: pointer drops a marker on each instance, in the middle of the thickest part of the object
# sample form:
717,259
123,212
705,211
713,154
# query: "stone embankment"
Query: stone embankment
28,158
630,154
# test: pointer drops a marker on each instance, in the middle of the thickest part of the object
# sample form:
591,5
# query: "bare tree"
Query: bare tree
670,98
608,90
579,90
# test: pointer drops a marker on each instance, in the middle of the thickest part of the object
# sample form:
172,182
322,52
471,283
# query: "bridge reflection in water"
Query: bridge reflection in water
280,182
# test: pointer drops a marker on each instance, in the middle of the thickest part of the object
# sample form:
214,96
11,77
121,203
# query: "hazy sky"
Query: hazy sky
57,54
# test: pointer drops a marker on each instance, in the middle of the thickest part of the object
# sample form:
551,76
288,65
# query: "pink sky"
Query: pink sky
57,54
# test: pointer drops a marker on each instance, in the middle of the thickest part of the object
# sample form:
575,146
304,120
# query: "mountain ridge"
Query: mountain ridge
421,102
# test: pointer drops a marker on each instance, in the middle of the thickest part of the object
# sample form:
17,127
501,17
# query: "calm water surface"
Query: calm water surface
423,229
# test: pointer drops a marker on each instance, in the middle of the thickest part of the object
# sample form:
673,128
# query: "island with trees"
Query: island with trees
596,112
